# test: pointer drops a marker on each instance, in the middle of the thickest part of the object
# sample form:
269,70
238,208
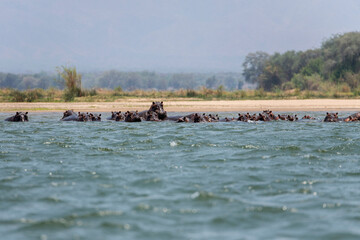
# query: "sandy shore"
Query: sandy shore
181,105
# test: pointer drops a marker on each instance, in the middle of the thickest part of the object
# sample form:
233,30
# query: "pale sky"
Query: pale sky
168,35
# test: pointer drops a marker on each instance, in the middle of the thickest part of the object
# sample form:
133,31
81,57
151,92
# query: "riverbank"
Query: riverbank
185,105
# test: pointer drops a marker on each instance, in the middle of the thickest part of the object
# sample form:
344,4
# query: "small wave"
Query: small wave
51,199
124,226
271,209
147,182
206,196
173,144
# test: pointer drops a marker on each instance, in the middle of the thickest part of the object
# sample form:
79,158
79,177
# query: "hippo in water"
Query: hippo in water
115,115
119,117
157,108
69,115
94,117
331,117
18,117
152,116
132,117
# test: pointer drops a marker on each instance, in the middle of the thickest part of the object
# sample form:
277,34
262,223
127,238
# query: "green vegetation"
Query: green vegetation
106,95
335,67
72,82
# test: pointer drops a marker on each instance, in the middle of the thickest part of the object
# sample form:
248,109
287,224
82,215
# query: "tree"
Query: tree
253,66
72,82
230,83
211,82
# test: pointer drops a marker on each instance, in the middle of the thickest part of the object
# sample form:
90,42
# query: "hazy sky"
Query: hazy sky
168,35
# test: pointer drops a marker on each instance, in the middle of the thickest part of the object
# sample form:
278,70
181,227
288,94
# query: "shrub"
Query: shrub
191,93
17,96
33,95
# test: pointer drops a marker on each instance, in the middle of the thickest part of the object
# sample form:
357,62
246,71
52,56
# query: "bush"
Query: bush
17,96
191,93
352,79
288,86
89,92
33,95
260,93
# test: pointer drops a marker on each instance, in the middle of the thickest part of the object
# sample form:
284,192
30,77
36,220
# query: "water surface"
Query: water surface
165,180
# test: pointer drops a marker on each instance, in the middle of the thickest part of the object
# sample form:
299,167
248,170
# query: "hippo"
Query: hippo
331,117
152,116
69,115
132,117
308,117
94,117
83,117
282,117
18,117
194,117
352,118
292,118
157,108
183,119
119,117
214,118
114,115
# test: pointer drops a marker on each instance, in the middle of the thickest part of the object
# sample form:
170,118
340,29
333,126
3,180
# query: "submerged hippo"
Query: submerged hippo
331,117
132,117
69,115
18,117
115,115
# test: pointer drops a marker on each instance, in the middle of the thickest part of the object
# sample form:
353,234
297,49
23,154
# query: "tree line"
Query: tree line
336,64
126,81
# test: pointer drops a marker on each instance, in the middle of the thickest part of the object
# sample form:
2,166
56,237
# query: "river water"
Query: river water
166,180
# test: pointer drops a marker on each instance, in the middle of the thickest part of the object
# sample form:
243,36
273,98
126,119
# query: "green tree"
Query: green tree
253,66
72,81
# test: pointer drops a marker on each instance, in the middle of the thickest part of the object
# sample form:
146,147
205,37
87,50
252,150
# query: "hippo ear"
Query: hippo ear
162,103
26,113
100,115
327,113
336,114
154,103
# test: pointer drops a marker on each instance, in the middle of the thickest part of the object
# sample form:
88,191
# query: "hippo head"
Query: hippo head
158,108
21,117
331,117
68,113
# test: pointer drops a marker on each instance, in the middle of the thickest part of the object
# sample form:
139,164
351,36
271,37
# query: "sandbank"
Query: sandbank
186,105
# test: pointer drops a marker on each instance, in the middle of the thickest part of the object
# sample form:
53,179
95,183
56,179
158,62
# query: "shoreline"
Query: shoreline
185,105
